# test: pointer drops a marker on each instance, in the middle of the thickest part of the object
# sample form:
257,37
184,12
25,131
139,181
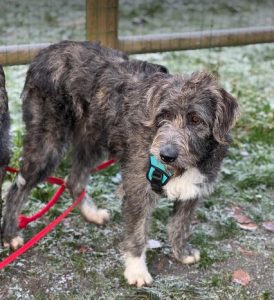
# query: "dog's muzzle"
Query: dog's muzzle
157,174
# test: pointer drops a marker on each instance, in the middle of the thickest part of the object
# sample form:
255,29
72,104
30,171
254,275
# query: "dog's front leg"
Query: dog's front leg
179,231
137,207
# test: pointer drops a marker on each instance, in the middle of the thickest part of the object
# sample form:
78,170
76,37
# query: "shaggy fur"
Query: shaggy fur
102,103
4,135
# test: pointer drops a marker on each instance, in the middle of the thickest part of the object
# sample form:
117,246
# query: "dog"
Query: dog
169,133
4,135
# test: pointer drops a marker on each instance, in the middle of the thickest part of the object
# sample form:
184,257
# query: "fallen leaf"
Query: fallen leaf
242,219
248,226
153,244
269,225
239,217
241,277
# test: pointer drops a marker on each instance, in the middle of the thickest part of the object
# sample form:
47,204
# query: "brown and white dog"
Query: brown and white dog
100,102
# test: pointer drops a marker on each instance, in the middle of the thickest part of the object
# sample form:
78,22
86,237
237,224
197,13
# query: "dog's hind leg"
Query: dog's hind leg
2,176
3,164
84,158
179,231
40,158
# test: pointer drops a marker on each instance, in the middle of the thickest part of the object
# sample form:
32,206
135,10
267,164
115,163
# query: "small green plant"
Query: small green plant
226,230
216,281
265,296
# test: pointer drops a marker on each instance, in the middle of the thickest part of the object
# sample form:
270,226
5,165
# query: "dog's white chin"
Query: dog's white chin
191,184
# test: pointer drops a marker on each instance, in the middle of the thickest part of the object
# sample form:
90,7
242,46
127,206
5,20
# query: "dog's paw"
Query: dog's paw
138,277
192,258
136,272
92,214
188,256
14,243
100,216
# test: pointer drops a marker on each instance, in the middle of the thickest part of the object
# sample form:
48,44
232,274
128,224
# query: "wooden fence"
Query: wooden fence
102,25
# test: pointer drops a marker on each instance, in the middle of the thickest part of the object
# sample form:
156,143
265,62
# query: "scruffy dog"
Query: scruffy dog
169,134
4,135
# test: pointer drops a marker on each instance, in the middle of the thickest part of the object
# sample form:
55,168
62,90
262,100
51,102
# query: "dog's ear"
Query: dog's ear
227,112
151,107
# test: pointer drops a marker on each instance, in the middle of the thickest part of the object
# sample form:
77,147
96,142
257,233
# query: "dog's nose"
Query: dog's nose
168,153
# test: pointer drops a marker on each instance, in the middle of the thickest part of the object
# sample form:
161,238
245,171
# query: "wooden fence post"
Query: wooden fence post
102,21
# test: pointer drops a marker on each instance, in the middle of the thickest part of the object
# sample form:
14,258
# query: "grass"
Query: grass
81,261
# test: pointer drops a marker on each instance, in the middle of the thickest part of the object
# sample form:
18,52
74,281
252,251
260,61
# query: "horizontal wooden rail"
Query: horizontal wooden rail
23,54
196,40
19,54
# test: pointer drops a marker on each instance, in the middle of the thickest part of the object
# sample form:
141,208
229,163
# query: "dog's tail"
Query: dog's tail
4,136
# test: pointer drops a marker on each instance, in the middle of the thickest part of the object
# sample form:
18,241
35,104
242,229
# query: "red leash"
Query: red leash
23,220
41,233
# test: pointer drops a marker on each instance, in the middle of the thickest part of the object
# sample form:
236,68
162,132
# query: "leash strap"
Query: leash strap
23,220
42,233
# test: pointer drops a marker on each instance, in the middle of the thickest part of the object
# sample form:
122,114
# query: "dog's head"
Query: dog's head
191,116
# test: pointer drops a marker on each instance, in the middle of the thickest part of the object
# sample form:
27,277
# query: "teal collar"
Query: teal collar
157,174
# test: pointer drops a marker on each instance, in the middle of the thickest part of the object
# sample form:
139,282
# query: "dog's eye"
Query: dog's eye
194,119
163,117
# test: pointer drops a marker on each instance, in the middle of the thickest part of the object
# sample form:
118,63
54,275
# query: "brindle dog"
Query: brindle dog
4,134
100,102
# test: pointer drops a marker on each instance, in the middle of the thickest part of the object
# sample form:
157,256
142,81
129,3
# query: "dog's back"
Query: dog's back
69,65
66,77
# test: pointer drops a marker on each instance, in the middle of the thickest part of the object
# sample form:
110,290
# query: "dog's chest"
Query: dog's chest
191,184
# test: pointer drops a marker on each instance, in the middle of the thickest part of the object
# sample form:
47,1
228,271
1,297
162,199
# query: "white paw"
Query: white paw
191,259
136,272
15,243
138,278
92,214
100,217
